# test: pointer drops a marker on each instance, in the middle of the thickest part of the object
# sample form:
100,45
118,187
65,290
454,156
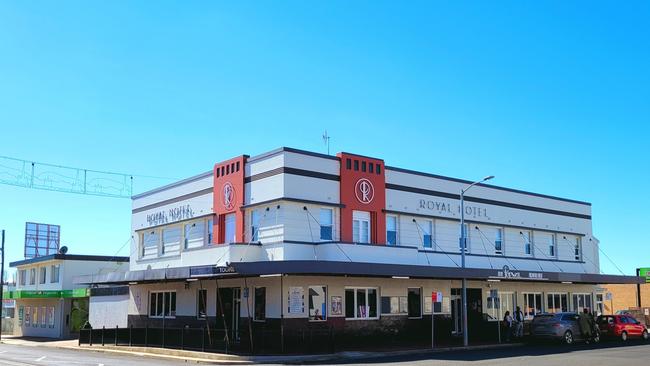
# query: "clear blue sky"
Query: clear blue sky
552,97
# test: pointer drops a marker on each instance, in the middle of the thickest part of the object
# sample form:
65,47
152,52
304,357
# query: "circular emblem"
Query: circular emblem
364,190
228,196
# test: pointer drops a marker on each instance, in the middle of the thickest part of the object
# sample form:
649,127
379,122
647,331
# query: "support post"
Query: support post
90,338
281,313
463,244
638,289
2,271
116,331
103,329
131,335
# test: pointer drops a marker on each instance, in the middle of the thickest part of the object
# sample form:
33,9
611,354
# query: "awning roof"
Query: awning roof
360,269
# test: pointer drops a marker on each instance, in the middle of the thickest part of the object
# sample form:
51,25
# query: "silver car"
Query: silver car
564,327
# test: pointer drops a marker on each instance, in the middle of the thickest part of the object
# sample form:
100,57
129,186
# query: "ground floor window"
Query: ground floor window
50,317
317,303
28,316
394,305
498,307
35,317
532,304
557,303
260,303
415,302
361,303
581,302
162,304
600,308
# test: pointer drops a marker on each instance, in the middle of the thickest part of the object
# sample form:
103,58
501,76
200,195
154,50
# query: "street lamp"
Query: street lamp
463,248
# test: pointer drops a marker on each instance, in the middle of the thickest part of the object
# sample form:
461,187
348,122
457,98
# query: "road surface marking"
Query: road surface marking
40,359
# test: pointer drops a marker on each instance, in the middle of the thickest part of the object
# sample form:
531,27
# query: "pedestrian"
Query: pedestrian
519,323
507,324
585,324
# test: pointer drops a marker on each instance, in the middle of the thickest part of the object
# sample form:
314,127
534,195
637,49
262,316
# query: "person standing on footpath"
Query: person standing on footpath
519,323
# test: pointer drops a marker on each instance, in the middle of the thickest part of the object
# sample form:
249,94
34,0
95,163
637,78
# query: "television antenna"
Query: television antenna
326,141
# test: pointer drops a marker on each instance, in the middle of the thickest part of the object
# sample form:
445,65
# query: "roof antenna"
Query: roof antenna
326,141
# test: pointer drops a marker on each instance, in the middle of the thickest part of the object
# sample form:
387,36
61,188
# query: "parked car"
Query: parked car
564,327
621,326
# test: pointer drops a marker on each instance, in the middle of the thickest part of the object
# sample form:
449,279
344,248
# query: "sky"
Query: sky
550,97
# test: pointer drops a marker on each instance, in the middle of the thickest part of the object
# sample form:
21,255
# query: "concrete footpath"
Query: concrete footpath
221,358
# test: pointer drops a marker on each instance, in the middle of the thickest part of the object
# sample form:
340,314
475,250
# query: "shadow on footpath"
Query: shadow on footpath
541,349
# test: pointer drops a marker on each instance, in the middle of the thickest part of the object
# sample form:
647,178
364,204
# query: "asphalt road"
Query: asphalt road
605,354
13,355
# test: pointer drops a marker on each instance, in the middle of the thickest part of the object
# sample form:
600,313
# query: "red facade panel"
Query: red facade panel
229,198
363,188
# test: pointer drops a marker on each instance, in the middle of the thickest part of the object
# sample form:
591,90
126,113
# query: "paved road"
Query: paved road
607,354
13,355
604,354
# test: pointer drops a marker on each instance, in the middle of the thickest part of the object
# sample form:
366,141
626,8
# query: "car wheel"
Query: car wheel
568,337
644,335
624,336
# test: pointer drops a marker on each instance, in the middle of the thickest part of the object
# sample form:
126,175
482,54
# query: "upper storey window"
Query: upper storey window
427,233
391,230
326,223
528,242
255,225
498,241
150,241
361,227
229,233
577,249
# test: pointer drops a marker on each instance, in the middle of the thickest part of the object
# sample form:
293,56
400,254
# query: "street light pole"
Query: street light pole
463,248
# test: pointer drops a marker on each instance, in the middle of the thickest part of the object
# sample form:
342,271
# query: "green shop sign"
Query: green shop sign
645,272
47,294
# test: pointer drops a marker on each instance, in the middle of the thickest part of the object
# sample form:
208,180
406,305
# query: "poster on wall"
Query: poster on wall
296,300
336,305
427,304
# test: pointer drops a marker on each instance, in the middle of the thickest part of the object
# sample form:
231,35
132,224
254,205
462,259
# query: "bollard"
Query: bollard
203,339
103,328
116,329
182,338
90,340
130,335
146,335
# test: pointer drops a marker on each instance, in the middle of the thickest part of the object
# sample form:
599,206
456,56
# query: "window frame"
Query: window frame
553,294
42,275
143,241
32,276
525,304
552,246
396,218
55,269
577,249
322,225
357,217
163,229
22,277
528,243
431,233
575,307
498,237
185,238
356,308
255,219
498,312
163,307
226,238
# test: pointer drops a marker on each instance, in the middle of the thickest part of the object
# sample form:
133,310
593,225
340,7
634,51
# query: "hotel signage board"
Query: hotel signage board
204,271
506,273
182,212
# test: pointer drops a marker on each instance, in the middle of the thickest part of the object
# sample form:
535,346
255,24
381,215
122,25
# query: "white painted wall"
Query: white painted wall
109,311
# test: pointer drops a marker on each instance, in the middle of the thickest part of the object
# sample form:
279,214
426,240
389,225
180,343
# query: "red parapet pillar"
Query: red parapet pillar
362,190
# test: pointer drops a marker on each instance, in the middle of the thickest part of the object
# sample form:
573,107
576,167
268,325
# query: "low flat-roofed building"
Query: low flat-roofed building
48,301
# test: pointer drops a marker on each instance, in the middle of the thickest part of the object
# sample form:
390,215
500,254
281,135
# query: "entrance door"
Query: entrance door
456,312
228,310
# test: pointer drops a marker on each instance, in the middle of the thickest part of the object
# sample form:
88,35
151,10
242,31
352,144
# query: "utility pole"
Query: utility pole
2,281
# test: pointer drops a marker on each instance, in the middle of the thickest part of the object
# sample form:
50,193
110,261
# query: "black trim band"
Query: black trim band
484,201
293,171
298,200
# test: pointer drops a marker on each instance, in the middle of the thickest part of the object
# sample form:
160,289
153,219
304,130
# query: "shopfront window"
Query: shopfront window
600,308
498,307
361,303
394,305
532,304
581,302
361,227
326,222
557,303
317,303
162,304
391,230
42,275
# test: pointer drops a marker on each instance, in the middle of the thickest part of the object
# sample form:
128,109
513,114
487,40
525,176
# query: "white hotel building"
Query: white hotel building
293,241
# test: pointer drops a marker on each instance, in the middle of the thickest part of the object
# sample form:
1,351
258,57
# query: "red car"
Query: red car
621,326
